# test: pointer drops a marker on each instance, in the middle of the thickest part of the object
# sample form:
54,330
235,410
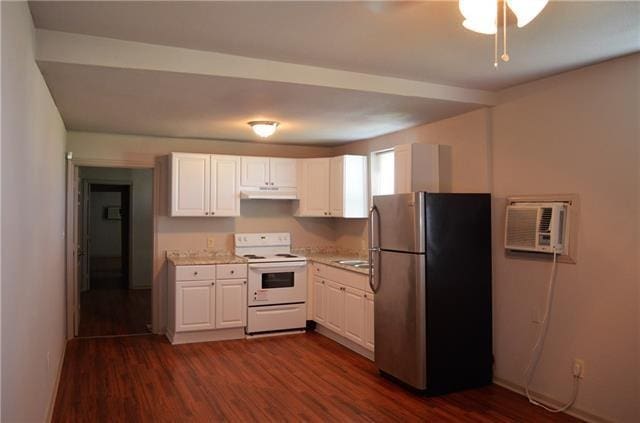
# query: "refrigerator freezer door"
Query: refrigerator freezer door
400,316
401,222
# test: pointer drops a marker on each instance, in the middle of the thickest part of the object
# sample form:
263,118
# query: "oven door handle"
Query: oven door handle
282,265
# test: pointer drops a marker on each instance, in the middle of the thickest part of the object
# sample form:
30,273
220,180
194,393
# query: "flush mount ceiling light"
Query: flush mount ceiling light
264,128
482,16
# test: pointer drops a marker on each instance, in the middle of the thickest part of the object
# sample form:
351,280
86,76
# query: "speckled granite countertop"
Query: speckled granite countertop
202,257
329,256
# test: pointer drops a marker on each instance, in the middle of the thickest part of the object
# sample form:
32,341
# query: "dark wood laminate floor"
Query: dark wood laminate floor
114,311
303,377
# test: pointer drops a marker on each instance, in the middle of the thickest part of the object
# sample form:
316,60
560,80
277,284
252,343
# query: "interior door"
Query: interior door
283,172
80,253
85,235
255,171
225,195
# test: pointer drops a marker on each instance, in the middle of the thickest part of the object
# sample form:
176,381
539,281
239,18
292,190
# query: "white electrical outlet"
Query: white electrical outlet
578,367
211,242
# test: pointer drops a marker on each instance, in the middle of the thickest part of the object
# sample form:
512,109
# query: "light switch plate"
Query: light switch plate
211,242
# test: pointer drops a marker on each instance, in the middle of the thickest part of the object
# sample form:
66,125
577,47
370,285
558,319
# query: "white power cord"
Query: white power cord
536,353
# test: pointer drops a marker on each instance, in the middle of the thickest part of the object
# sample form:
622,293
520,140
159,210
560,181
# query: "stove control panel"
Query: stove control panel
263,239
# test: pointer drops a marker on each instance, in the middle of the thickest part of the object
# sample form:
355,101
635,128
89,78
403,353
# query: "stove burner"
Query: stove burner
253,256
286,255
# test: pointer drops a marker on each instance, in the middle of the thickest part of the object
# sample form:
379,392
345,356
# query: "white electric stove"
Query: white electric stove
277,282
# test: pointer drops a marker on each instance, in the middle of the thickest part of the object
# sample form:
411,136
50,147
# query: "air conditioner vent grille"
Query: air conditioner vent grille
521,230
545,219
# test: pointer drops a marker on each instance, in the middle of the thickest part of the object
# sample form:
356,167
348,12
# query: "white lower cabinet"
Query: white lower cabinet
343,308
207,303
231,303
319,300
368,321
354,315
334,306
195,305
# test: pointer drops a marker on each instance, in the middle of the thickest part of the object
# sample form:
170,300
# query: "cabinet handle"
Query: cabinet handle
195,273
206,213
244,282
271,183
266,183
232,272
323,282
213,283
212,213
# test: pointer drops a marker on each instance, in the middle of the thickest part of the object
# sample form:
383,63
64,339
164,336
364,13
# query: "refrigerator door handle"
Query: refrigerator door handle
373,249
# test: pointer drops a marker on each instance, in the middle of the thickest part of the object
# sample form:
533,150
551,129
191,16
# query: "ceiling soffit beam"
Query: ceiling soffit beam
64,47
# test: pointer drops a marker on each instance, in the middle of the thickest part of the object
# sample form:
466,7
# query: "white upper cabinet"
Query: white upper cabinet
204,185
349,187
416,168
314,188
255,171
271,172
225,186
190,179
335,187
283,172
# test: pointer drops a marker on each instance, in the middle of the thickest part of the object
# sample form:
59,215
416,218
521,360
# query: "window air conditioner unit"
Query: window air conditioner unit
536,227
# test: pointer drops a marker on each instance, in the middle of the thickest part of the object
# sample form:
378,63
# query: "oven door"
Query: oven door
277,283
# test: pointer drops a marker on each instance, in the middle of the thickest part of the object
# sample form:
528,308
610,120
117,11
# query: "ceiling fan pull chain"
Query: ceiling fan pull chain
495,40
505,55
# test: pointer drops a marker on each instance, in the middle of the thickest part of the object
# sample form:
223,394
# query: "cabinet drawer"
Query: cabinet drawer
195,273
231,271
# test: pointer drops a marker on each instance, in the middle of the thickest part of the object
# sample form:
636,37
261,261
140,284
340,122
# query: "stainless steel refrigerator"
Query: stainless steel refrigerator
431,275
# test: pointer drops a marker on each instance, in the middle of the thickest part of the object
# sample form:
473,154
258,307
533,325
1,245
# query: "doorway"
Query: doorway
115,242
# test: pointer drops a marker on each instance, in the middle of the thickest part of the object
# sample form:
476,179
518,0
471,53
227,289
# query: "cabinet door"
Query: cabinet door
354,315
231,303
368,321
335,306
255,171
195,305
314,198
319,300
225,186
336,188
402,168
190,179
283,173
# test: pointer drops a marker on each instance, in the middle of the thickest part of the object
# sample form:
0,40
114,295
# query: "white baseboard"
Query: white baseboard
575,412
56,384
344,341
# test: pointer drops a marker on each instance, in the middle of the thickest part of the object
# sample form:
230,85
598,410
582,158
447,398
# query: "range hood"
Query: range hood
268,195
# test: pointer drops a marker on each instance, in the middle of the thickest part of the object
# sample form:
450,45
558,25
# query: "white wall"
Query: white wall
33,183
574,133
142,219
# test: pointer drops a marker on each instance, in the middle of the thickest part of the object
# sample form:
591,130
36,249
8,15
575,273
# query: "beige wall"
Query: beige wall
463,160
574,133
33,227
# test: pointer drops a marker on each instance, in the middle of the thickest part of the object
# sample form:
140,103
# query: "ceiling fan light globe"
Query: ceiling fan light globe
526,10
480,15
